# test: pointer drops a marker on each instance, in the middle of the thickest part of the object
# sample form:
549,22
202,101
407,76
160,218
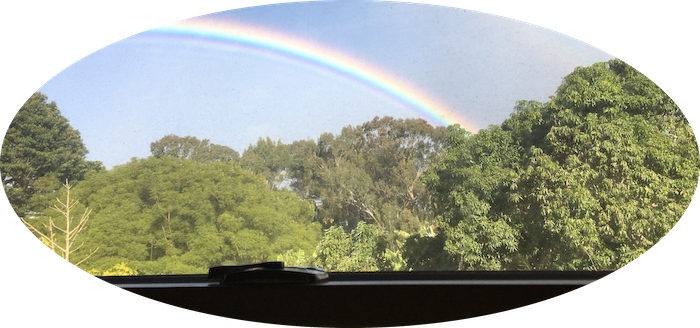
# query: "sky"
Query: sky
472,66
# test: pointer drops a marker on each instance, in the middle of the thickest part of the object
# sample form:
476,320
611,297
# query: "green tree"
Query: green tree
395,155
587,181
40,149
362,249
469,191
369,173
269,159
192,148
173,216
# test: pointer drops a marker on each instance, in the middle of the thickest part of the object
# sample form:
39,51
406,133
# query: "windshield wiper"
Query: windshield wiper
266,273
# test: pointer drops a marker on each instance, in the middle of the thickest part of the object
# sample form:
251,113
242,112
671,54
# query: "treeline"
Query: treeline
586,181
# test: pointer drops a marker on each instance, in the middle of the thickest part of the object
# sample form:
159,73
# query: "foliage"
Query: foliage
119,269
465,196
269,159
368,173
192,148
587,181
362,249
40,149
168,215
421,253
292,258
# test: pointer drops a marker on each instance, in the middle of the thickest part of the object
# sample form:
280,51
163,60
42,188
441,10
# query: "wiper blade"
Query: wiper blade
266,273
218,272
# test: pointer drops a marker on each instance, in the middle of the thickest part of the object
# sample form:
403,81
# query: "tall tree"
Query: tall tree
172,216
269,159
470,197
619,164
396,153
192,148
587,181
369,173
40,149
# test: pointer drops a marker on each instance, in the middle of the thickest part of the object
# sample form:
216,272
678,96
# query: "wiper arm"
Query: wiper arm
266,273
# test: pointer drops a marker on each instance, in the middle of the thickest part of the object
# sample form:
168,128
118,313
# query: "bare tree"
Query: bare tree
70,231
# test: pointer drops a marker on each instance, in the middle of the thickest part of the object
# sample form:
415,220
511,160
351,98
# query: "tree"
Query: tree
174,216
396,153
469,191
615,171
587,181
269,159
40,149
192,148
369,173
69,231
362,249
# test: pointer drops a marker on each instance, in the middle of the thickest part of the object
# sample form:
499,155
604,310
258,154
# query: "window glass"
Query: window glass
352,137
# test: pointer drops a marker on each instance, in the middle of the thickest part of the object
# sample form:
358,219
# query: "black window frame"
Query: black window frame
50,289
362,299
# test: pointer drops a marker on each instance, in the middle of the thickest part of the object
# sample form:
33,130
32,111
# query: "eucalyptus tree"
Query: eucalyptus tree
370,173
268,158
192,148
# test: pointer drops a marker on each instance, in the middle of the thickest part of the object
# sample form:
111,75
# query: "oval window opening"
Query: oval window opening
351,137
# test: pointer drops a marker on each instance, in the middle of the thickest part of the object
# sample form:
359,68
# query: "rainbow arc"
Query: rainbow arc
220,34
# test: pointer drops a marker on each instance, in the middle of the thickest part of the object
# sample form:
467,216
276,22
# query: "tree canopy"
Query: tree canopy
587,181
40,151
168,215
369,173
268,158
192,148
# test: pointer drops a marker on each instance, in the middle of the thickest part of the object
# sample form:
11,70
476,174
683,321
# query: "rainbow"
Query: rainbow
217,33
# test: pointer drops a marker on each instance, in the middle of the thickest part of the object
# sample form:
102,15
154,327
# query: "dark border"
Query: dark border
367,299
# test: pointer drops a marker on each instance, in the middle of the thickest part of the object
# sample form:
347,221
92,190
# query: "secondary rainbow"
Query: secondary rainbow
215,33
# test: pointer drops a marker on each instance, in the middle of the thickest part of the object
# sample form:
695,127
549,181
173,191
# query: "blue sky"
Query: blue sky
135,91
